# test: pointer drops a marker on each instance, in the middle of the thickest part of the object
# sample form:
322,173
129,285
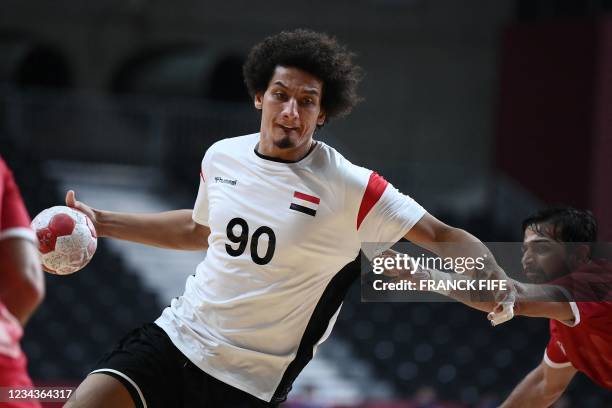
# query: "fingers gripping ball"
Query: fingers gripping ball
67,239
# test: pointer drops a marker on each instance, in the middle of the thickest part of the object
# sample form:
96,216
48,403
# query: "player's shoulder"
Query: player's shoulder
327,157
233,146
592,316
7,182
596,310
3,167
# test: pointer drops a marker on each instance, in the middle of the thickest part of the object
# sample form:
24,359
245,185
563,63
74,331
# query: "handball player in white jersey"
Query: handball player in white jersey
280,215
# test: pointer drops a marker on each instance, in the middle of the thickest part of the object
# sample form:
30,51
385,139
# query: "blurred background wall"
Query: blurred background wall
430,88
481,110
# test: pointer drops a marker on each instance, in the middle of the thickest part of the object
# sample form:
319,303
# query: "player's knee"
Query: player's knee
100,391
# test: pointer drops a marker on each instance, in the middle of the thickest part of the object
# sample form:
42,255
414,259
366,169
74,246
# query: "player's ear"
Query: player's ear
578,254
258,100
321,118
583,252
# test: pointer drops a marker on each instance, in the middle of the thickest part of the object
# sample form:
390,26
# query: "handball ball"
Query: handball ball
66,239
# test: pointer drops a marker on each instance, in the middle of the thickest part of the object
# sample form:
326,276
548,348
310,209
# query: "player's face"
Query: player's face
544,259
291,108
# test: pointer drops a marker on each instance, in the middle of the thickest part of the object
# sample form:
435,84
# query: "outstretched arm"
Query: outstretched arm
450,242
446,241
528,301
170,229
541,387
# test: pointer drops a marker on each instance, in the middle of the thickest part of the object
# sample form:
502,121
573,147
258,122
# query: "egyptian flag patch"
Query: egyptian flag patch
305,203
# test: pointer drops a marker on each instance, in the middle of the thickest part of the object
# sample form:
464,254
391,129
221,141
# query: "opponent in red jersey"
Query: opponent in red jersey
557,250
21,284
567,286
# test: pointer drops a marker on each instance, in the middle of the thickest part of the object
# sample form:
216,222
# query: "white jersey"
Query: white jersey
272,282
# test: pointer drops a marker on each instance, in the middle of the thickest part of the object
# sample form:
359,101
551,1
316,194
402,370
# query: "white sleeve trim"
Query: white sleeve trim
198,220
573,306
576,313
19,232
420,211
128,379
552,364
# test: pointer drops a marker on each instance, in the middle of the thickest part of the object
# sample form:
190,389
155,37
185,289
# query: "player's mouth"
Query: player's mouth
533,276
288,128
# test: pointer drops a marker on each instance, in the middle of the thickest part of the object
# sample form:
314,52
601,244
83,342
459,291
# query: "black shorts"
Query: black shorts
158,375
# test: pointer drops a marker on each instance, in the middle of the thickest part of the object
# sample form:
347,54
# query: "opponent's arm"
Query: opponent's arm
22,285
528,301
541,387
466,297
170,229
434,235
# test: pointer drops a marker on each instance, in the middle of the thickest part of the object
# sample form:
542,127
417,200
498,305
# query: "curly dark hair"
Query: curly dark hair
315,53
569,224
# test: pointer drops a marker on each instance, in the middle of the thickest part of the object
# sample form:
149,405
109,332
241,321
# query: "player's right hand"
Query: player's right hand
90,212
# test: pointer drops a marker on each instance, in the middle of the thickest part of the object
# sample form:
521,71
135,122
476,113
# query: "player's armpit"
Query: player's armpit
22,285
201,233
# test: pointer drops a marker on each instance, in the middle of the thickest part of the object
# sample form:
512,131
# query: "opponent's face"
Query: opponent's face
544,259
291,108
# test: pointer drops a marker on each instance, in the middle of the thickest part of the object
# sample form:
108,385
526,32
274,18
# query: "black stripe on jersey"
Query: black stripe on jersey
303,209
328,304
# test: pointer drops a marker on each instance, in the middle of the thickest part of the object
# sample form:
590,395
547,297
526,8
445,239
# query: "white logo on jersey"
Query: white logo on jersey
561,347
225,181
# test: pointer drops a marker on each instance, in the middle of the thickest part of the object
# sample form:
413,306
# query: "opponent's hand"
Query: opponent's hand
502,312
505,299
90,212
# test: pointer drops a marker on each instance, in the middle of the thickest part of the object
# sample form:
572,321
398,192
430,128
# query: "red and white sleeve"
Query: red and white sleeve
14,218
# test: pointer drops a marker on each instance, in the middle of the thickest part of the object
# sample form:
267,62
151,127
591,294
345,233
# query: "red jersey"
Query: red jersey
586,344
14,218
14,223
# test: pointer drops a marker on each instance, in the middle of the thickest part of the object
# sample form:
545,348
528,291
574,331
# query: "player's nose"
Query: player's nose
527,260
290,111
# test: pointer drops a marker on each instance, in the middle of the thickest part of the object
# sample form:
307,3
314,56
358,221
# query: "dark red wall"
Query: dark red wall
555,113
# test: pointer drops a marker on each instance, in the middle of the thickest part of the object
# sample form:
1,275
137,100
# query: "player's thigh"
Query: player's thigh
100,391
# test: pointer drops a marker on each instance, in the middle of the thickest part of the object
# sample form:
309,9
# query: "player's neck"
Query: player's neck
269,150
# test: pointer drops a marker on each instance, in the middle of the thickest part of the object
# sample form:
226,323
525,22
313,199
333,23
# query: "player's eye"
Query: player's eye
541,248
279,95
